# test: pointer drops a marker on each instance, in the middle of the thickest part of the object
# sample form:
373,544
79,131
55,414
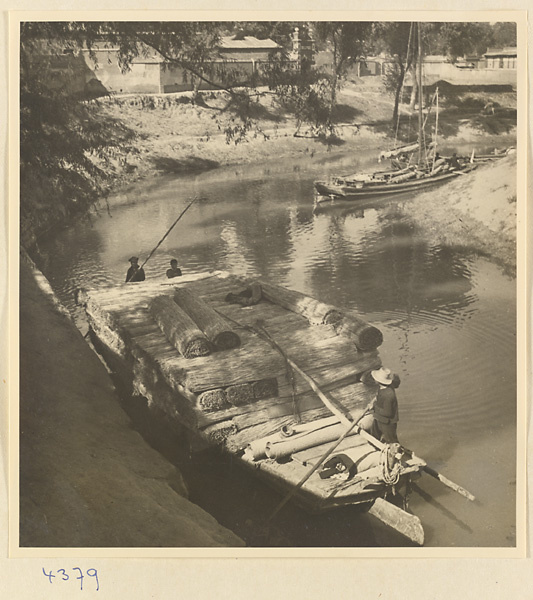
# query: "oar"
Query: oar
370,438
168,231
447,482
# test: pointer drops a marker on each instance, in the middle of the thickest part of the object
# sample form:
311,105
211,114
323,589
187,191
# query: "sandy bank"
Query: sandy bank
477,211
86,477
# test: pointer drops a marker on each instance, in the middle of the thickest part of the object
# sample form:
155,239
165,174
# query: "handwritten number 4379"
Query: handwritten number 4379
63,576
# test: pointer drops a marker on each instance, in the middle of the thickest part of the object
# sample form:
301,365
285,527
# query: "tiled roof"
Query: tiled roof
247,43
507,51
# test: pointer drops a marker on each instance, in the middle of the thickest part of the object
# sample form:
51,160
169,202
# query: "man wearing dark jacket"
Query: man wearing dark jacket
384,409
135,273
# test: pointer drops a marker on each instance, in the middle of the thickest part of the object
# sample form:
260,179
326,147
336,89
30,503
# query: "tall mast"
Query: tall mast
420,96
436,126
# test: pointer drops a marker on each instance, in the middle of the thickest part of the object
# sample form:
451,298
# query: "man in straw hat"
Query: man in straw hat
384,409
135,273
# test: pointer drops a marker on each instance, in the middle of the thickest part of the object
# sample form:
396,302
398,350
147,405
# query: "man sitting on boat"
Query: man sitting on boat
383,418
454,163
174,270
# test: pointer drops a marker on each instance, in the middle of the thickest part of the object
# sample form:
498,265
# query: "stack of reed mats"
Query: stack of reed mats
191,326
365,336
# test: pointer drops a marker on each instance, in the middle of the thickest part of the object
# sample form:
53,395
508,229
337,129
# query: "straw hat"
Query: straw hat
383,376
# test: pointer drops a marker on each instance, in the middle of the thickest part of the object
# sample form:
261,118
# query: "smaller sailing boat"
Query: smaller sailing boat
413,166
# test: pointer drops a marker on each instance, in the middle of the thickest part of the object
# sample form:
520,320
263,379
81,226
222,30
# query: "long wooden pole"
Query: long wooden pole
318,464
344,419
447,482
168,231
420,97
326,401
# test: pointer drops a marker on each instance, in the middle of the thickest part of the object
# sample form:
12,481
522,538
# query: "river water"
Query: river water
448,319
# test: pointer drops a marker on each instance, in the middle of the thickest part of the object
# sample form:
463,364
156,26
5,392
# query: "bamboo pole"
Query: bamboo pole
327,402
316,466
168,231
370,438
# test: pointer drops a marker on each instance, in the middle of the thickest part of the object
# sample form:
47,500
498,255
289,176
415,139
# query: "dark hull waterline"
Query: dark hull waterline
349,190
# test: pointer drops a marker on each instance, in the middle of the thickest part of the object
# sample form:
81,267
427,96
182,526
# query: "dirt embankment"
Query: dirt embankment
87,479
477,211
174,136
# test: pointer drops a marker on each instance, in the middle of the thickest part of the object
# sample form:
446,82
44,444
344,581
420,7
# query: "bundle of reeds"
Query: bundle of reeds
213,400
365,336
180,330
316,312
217,329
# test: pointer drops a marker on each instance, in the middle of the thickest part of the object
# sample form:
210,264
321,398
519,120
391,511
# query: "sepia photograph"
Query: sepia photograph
269,285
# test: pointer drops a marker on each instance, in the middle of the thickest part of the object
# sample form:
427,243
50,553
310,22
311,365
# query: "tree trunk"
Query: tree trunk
397,96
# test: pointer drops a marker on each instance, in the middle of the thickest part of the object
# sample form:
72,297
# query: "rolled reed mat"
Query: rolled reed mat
180,330
241,393
314,311
257,449
216,329
365,336
281,449
220,432
265,388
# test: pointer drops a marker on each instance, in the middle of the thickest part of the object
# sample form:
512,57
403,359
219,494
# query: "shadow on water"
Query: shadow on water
166,164
441,508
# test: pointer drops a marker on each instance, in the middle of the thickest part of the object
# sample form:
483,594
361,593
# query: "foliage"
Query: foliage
503,34
348,42
457,39
397,40
67,155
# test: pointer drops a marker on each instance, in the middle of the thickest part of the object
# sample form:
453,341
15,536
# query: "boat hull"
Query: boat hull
353,191
141,357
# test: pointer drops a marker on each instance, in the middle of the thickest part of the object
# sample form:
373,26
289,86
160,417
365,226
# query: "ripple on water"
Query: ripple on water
447,318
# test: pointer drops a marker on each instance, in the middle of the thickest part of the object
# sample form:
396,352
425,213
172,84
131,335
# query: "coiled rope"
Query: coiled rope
390,476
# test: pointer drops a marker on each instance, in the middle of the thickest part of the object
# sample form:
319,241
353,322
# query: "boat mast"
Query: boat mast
436,126
420,96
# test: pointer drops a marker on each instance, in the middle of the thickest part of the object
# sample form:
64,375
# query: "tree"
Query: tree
66,152
347,41
457,39
398,40
504,34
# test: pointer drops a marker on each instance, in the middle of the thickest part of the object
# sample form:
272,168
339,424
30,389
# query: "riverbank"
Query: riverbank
87,479
477,212
168,134
174,136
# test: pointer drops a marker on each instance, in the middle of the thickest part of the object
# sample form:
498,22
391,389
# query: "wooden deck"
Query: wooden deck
120,318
